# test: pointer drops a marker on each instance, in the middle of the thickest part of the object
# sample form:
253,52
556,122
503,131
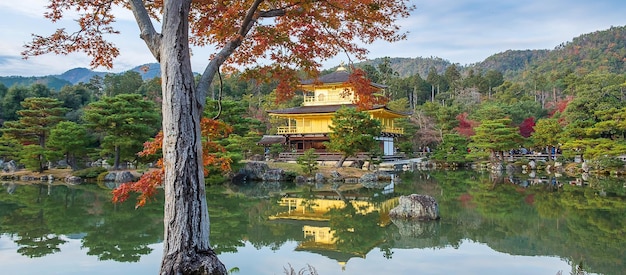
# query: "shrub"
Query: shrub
308,161
89,173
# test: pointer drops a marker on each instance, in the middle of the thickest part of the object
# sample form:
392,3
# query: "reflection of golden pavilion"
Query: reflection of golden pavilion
316,209
320,238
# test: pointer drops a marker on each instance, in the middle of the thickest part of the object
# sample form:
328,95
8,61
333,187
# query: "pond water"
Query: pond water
510,225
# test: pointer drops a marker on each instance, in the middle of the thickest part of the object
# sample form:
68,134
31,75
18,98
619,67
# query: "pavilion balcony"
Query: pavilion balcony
393,130
285,130
326,100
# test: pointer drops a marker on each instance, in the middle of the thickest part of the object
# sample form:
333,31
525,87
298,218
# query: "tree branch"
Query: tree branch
230,47
148,33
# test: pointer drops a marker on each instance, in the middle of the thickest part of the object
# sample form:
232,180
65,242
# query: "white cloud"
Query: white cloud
460,31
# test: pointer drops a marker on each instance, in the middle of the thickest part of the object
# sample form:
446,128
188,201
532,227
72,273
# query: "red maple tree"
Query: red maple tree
527,127
149,182
466,126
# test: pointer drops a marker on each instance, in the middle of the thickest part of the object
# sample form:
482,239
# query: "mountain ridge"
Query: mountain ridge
603,49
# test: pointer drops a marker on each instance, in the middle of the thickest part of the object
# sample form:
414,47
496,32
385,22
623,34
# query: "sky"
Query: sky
460,31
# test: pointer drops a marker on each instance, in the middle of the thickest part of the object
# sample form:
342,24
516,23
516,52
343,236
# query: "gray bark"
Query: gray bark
186,247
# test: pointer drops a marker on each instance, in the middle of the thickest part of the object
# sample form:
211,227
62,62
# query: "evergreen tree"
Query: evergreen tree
125,121
352,132
493,136
308,161
70,141
38,116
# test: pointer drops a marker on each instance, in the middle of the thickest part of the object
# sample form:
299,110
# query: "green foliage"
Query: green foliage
453,150
308,161
607,163
126,83
246,145
39,115
32,157
125,122
494,136
9,148
353,132
70,141
89,173
235,114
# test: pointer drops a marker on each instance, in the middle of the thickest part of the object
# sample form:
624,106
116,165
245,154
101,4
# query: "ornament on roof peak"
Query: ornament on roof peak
341,67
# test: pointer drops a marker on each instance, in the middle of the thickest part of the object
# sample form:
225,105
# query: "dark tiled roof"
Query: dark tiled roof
339,76
268,140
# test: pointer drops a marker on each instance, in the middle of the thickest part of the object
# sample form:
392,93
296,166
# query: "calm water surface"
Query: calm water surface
507,225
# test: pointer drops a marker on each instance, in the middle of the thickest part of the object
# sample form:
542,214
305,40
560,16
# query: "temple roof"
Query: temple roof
322,109
269,140
341,75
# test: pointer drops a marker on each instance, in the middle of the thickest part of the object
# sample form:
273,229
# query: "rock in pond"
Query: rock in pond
416,207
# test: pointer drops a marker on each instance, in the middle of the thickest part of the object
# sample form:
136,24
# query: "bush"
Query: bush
308,161
102,175
607,162
89,173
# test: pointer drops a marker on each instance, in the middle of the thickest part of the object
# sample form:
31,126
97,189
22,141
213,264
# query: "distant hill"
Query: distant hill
148,71
601,50
410,66
75,76
510,63
78,75
50,81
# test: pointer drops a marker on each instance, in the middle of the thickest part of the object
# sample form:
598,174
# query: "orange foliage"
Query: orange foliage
365,93
289,35
147,185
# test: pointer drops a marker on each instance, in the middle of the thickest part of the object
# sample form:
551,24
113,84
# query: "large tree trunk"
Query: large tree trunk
186,248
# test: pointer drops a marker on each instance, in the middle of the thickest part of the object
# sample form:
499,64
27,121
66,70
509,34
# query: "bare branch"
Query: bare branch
148,33
230,47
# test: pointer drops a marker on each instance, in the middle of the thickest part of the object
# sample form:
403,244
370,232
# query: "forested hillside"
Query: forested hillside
411,66
49,81
601,50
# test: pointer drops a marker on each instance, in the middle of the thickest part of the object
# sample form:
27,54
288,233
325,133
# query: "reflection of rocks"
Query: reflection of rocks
376,184
416,229
259,190
73,180
10,186
414,206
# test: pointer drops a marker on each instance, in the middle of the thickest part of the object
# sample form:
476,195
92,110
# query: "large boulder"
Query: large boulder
319,178
254,170
416,207
259,171
379,176
10,167
119,177
273,175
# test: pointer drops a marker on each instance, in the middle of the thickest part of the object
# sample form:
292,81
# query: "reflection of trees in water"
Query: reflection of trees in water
578,223
47,212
